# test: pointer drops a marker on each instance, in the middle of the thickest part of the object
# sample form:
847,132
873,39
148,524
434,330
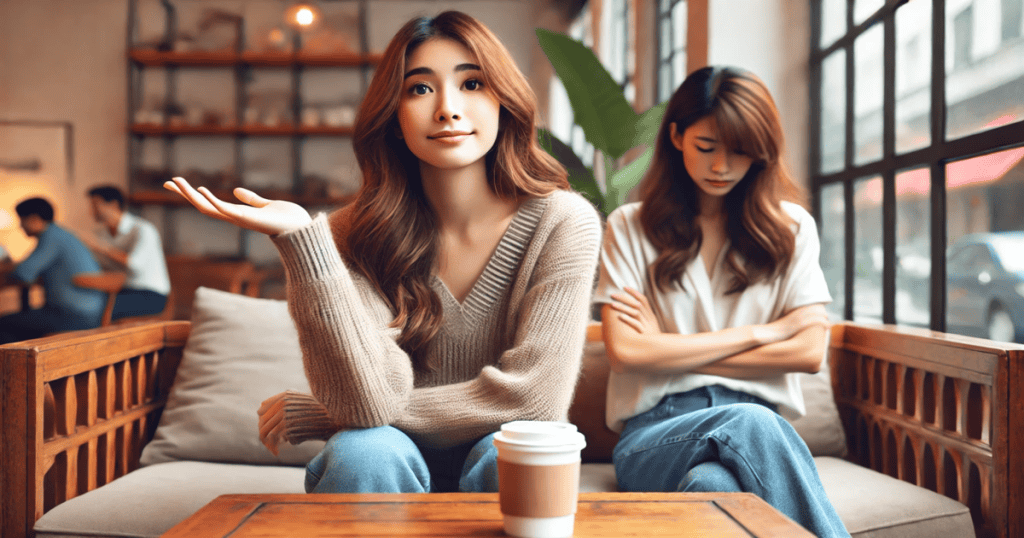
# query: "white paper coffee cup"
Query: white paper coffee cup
539,477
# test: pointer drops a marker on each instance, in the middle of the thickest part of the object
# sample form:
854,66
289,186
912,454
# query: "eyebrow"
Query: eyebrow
707,139
429,71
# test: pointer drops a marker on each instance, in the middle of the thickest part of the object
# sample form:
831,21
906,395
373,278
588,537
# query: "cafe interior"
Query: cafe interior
903,124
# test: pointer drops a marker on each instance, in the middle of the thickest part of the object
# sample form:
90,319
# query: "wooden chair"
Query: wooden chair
166,314
188,273
109,282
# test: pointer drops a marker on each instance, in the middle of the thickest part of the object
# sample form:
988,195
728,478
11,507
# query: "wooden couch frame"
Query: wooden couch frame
937,410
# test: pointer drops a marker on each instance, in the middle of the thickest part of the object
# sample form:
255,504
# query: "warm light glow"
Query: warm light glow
304,16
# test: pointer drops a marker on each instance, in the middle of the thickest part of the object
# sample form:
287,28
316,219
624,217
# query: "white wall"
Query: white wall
771,38
65,62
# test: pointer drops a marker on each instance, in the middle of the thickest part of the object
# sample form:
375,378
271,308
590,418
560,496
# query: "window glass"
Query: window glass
984,70
867,262
679,43
862,9
985,231
833,112
867,96
833,247
913,75
833,21
913,247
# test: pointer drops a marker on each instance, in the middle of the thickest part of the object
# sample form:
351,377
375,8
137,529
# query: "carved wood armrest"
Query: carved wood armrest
76,409
937,410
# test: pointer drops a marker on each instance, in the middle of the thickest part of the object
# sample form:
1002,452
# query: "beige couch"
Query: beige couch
126,431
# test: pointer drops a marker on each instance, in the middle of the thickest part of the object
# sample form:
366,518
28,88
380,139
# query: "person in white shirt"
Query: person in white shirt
711,299
131,244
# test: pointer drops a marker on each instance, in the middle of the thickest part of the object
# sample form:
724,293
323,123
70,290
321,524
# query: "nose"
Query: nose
720,161
449,104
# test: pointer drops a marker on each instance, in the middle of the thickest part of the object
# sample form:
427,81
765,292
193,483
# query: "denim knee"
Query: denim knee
480,470
371,460
710,477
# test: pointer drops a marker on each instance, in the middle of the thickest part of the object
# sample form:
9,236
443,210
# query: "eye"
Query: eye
704,150
419,89
473,84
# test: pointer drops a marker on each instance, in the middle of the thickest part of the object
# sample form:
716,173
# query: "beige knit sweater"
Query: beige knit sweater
510,351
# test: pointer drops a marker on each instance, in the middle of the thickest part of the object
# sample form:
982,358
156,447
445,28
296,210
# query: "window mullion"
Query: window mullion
938,168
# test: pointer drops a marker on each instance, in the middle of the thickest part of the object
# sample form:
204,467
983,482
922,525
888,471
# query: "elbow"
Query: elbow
622,357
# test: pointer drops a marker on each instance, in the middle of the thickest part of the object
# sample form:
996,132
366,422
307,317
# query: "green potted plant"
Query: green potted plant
607,119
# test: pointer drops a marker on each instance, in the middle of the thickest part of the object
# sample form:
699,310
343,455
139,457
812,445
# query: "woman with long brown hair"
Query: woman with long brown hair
452,295
712,298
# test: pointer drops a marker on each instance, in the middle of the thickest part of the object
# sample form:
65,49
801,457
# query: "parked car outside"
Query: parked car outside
985,286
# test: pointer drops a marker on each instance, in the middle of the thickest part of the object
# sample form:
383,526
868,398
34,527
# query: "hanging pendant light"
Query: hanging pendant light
302,15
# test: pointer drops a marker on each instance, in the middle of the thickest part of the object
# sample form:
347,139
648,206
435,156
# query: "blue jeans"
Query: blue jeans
714,439
386,460
37,323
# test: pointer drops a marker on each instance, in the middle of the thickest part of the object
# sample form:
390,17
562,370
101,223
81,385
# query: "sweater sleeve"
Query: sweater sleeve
536,377
354,365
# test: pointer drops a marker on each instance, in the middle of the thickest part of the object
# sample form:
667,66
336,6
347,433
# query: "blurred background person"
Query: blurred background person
130,244
58,257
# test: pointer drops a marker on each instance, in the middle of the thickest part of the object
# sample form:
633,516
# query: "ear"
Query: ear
675,136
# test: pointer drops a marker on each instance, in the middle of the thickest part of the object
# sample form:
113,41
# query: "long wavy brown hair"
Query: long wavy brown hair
761,240
393,239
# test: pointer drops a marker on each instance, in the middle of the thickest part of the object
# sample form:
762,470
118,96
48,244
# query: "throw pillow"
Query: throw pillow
241,351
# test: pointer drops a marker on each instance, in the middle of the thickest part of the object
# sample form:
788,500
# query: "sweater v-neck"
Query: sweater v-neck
500,269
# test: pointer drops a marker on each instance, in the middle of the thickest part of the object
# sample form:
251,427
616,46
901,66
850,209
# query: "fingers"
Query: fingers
251,198
270,401
181,186
625,309
634,323
641,298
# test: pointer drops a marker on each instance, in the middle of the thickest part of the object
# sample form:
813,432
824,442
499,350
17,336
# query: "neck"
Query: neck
712,208
463,198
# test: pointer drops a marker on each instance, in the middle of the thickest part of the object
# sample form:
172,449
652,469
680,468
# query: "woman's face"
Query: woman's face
715,168
447,114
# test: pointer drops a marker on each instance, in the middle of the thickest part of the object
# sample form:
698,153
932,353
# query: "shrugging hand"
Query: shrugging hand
271,217
635,310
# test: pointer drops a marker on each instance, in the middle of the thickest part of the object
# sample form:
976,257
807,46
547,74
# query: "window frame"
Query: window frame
935,156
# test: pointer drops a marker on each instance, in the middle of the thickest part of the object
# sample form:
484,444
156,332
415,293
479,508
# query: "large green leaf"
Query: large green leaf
580,177
600,109
647,125
625,178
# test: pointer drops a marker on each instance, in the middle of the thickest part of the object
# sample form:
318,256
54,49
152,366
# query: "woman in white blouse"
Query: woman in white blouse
712,300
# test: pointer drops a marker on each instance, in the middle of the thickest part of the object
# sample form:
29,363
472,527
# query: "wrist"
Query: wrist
764,334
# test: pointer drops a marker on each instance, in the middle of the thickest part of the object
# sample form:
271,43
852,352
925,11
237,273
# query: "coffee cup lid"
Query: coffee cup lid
538,433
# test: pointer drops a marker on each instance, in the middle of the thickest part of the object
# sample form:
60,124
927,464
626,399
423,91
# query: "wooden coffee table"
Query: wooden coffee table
476,514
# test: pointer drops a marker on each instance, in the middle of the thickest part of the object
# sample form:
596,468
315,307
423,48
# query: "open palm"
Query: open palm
271,217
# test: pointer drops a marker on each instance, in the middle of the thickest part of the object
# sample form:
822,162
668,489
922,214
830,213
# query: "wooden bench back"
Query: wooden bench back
938,410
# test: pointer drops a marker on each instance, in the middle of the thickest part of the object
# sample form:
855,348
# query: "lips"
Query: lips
449,135
718,182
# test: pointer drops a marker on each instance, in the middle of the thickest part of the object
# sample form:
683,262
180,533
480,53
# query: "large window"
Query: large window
917,158
671,28
562,122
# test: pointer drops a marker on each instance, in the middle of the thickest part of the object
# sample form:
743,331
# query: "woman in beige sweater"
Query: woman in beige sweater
452,295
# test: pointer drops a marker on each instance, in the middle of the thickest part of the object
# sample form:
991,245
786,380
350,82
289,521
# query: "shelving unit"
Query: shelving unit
243,64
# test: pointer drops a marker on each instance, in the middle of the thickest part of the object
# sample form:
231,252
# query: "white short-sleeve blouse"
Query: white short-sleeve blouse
701,304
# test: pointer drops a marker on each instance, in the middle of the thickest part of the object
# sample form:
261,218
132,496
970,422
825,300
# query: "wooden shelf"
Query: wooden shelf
151,129
155,58
168,198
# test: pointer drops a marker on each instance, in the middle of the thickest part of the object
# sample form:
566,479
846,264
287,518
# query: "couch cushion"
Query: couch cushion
151,500
874,505
241,351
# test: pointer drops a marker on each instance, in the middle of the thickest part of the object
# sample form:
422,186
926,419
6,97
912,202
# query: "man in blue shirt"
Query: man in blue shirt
58,256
